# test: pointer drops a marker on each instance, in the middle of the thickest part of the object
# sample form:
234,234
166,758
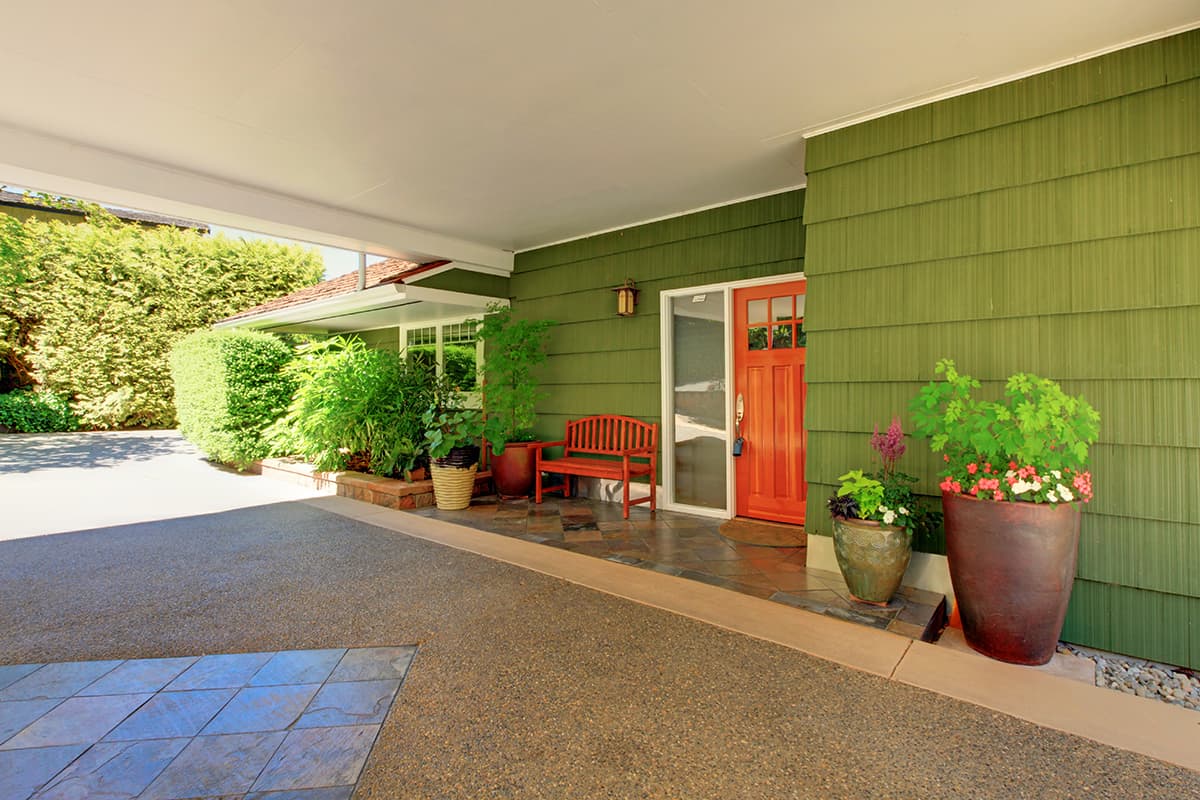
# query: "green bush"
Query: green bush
229,387
91,310
24,411
355,406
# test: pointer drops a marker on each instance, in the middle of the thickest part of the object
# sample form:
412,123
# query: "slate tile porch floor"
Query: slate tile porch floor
691,547
293,724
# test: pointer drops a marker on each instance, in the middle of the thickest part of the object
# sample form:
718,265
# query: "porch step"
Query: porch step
912,612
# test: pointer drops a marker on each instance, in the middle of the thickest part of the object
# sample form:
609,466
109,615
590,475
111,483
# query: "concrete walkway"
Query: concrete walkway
549,680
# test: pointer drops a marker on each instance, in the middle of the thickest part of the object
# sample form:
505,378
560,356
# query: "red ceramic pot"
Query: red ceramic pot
1012,566
512,470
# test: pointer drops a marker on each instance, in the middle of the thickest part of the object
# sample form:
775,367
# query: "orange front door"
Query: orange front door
768,360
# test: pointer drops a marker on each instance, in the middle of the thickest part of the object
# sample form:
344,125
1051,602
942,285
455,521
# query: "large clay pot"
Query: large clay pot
512,470
872,557
1012,566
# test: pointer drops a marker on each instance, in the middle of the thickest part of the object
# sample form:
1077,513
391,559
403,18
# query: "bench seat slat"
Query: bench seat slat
621,438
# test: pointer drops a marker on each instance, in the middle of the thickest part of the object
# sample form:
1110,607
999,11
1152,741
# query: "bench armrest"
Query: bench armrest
543,445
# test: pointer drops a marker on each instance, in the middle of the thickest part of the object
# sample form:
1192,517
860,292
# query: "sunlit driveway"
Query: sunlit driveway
51,483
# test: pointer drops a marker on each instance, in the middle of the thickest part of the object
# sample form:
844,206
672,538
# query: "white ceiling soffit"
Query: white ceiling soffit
469,130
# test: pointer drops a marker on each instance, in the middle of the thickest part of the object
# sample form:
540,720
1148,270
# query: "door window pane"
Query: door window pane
800,306
701,442
781,337
756,338
756,311
801,336
781,309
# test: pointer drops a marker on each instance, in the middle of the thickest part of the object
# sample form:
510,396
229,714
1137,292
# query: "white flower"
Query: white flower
1021,487
1037,486
889,517
904,511
1057,475
1051,496
1065,493
1012,473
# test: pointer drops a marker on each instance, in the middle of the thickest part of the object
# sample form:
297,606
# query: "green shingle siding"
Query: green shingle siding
1050,225
602,364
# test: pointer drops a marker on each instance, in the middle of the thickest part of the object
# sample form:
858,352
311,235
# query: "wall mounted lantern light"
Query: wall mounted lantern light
626,298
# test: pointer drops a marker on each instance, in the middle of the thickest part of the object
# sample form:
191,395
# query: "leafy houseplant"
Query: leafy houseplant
874,517
510,394
452,436
1015,477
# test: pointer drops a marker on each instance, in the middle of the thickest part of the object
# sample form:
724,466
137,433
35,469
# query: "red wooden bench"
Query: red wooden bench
621,439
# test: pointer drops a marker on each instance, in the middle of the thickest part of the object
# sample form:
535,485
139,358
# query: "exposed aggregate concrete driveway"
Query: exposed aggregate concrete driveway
526,685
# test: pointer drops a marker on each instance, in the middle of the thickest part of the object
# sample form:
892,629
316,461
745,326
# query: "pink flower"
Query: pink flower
1012,465
997,495
972,468
946,458
987,467
974,491
957,487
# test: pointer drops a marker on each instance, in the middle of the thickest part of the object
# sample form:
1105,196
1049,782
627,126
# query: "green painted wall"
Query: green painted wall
380,338
1049,225
603,364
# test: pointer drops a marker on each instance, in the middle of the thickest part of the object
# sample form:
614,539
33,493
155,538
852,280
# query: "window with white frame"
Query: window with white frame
451,347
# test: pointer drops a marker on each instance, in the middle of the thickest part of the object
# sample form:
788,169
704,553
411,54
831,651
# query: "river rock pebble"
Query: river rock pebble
1136,676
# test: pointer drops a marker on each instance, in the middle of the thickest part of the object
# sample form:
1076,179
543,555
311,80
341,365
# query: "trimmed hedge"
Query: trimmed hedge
24,411
229,386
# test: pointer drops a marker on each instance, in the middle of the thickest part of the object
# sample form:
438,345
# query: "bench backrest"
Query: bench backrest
610,433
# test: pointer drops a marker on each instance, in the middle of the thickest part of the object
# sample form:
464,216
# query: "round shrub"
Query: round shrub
26,411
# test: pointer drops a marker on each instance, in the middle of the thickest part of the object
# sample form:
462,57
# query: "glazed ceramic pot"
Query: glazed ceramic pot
1012,566
872,557
512,470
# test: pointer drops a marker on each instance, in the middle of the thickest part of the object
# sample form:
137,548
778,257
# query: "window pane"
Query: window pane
800,306
459,332
459,366
781,309
757,338
424,355
781,337
756,311
801,336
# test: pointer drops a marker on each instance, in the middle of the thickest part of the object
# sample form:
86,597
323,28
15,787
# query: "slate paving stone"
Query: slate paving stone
113,770
319,757
10,673
77,720
224,671
298,666
263,708
57,680
139,675
23,771
374,663
172,714
16,714
212,766
354,703
328,793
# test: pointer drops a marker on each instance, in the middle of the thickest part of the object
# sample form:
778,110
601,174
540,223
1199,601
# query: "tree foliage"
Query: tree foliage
91,310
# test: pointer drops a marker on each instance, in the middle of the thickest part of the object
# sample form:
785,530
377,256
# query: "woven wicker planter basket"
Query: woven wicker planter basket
452,486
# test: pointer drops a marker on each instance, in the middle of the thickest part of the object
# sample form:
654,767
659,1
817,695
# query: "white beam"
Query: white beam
58,166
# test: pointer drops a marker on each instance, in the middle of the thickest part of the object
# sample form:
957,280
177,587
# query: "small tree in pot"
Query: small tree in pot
510,395
452,436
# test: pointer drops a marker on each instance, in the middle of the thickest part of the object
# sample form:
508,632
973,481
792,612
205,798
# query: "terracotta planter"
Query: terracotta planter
512,470
1012,566
872,557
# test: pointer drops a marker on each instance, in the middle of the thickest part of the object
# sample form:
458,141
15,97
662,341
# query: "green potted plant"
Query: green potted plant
1014,480
452,437
874,518
510,394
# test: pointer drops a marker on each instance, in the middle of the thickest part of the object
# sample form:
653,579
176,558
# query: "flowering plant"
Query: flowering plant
1032,446
885,495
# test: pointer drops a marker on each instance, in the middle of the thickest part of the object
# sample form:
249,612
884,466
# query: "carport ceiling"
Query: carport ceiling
502,124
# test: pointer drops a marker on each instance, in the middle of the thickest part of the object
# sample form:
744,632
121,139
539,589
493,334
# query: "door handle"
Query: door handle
740,413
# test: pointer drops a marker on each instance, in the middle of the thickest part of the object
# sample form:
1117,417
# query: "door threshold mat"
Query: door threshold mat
199,726
764,534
